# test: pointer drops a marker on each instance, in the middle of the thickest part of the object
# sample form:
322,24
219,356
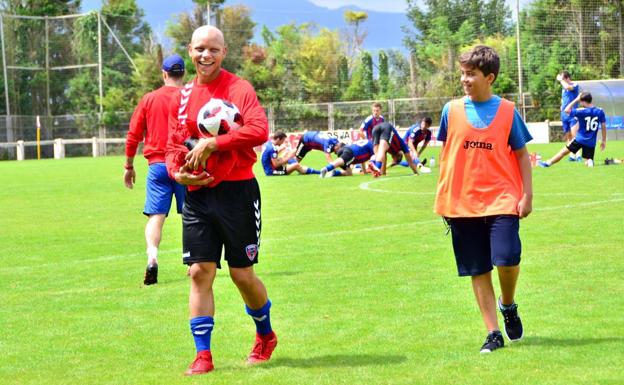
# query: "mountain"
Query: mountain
384,28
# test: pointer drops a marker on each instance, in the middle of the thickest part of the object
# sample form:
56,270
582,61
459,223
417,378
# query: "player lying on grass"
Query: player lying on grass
315,140
348,155
277,160
589,118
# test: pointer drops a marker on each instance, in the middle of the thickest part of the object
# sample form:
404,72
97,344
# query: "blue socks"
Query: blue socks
201,328
262,318
312,171
378,164
337,173
329,167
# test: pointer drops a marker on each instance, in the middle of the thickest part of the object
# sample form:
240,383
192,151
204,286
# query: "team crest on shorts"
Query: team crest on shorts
251,251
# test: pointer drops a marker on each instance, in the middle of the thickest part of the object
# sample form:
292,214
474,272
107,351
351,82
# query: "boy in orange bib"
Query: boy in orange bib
484,189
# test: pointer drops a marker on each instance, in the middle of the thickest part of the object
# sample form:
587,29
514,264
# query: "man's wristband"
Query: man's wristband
128,167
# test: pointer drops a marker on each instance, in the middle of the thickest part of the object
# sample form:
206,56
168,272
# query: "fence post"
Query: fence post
20,150
330,117
94,145
59,148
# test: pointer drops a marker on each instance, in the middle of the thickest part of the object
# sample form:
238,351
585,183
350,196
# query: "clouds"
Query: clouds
372,5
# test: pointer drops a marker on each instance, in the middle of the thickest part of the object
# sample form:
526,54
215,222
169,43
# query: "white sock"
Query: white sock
152,255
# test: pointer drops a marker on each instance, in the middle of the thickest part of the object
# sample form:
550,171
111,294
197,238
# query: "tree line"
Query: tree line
307,63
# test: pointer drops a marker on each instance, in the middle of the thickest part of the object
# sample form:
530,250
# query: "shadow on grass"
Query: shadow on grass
579,341
337,360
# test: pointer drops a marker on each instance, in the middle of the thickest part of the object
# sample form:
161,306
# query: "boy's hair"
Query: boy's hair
565,74
377,104
279,135
586,97
483,58
427,120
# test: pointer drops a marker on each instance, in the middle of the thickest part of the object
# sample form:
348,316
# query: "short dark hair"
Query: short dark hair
565,74
586,97
483,58
279,135
427,120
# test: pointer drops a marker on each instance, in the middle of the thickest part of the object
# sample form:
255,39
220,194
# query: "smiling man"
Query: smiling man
222,208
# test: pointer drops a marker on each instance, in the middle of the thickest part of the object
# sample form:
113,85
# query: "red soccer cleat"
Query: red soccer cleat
262,349
373,169
201,365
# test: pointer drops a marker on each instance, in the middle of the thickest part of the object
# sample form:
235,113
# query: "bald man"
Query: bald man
222,207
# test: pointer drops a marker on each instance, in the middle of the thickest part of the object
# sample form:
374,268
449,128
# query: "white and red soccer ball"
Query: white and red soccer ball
218,117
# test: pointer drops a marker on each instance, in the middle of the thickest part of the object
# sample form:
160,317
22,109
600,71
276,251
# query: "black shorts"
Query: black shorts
301,150
346,154
382,131
588,152
479,243
227,215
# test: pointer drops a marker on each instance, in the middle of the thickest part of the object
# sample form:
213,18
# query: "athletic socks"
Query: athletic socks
201,328
337,173
262,318
312,171
378,164
329,167
152,255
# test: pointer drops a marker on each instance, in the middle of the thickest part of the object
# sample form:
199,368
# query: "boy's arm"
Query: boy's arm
568,108
525,206
603,142
422,148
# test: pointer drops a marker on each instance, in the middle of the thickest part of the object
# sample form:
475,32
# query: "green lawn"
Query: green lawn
360,272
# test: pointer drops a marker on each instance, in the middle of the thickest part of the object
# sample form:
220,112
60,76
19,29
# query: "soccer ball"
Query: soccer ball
218,117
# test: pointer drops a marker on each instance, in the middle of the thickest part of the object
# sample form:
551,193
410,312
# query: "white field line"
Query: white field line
363,186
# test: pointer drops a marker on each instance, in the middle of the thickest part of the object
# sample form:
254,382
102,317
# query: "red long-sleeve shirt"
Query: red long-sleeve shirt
235,156
149,123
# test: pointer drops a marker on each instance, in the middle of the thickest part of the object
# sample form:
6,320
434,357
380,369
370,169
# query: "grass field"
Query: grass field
360,272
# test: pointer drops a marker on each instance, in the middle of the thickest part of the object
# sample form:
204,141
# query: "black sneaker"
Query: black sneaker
513,324
423,162
493,341
151,275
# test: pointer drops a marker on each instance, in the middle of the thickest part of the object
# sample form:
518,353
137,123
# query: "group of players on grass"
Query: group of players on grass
377,140
484,187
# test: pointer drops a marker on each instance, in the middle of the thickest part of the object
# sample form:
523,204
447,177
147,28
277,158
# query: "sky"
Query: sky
371,5
383,24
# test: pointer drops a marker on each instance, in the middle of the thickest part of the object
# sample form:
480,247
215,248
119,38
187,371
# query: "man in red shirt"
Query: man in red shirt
149,124
222,206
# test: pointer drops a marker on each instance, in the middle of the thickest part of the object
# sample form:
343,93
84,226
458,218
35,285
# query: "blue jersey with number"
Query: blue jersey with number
319,141
270,152
362,150
369,123
589,120
567,96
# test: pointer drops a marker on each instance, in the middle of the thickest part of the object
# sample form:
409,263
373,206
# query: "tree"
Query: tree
355,38
384,76
362,85
238,30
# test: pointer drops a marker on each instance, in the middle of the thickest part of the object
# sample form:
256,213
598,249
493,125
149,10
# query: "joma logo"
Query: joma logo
472,144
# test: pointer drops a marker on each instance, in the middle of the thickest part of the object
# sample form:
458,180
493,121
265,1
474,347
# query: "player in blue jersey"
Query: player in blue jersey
417,133
274,164
386,140
366,128
569,91
315,140
355,153
589,118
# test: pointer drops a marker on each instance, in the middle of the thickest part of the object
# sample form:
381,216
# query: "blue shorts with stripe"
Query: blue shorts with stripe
160,190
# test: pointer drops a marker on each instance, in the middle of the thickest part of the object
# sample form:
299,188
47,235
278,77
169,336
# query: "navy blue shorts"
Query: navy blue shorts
160,190
484,242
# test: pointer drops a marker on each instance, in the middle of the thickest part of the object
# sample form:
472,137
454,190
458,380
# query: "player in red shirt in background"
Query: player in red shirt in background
222,206
149,124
